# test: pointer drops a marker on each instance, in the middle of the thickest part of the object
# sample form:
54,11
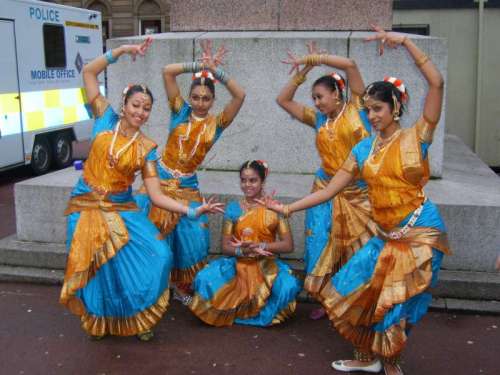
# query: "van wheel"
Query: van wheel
41,157
62,148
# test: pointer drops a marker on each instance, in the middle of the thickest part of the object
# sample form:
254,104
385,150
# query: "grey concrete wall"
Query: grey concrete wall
262,130
468,197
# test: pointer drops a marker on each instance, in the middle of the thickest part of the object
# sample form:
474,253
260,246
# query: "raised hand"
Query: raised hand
269,202
312,49
392,39
209,60
219,55
138,49
210,207
292,60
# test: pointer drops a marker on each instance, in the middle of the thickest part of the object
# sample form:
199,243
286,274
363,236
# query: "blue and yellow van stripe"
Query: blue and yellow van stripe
43,109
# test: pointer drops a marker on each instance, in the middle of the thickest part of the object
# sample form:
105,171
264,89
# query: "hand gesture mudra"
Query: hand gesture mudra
269,202
210,206
389,38
207,58
138,49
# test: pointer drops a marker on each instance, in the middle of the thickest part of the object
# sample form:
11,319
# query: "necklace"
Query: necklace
183,157
380,143
113,158
330,126
247,206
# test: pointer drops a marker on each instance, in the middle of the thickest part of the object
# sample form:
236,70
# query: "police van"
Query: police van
43,107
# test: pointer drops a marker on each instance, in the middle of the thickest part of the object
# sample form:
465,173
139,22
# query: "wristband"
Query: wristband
238,252
109,57
220,75
191,213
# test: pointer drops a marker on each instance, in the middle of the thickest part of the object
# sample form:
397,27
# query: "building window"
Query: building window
412,29
54,46
150,27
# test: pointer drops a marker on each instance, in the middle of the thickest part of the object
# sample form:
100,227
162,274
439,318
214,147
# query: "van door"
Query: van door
11,140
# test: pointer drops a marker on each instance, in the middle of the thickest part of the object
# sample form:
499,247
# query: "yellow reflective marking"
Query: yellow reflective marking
81,24
52,98
9,103
35,120
81,96
70,115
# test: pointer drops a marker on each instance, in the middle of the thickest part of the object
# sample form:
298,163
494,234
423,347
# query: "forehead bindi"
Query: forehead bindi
248,173
140,98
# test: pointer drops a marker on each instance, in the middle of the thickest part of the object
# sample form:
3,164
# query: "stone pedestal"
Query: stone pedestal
247,15
262,130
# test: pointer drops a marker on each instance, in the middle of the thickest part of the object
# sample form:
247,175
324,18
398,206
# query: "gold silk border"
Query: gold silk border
352,227
285,314
149,169
99,234
139,323
403,270
99,105
176,103
309,117
186,275
243,297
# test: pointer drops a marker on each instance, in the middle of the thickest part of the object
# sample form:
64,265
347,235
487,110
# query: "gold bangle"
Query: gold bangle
298,79
313,60
286,211
421,60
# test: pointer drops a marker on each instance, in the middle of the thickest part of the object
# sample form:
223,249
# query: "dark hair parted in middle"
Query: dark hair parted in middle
257,166
206,82
330,83
386,92
135,89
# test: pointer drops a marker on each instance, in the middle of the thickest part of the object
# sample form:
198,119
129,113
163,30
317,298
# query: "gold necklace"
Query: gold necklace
113,158
183,158
330,127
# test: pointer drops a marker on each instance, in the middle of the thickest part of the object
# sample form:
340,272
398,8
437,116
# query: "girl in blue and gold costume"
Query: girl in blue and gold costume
383,289
336,228
250,285
193,132
117,273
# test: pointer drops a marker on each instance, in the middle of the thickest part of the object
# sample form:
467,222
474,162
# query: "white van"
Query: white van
42,104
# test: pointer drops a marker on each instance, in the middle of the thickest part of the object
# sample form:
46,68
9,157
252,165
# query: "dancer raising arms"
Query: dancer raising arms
117,271
250,285
382,290
336,228
193,131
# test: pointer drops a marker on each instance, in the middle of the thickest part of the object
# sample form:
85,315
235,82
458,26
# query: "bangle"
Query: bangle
286,211
421,60
263,245
298,79
238,252
109,57
220,75
313,60
192,67
191,213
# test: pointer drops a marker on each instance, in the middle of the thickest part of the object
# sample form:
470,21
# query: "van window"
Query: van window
54,46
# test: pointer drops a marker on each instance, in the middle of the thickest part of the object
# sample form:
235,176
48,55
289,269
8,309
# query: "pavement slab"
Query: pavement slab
38,336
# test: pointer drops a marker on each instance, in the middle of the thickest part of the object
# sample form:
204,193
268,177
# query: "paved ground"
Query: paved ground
38,336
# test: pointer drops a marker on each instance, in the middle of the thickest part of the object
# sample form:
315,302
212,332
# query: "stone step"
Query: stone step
32,254
468,285
31,275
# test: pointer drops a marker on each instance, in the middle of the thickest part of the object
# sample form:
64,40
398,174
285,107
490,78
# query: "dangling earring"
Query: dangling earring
395,116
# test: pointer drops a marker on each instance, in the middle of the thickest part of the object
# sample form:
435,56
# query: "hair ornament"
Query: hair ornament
203,74
128,87
398,84
340,81
265,165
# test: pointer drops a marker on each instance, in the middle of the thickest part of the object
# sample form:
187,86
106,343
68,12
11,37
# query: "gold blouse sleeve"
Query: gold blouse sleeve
176,103
425,130
227,228
283,226
350,165
356,101
222,121
309,117
99,105
149,169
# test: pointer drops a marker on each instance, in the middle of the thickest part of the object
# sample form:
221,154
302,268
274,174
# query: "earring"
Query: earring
396,116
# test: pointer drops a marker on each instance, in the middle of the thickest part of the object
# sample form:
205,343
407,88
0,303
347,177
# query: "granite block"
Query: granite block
398,63
194,15
334,14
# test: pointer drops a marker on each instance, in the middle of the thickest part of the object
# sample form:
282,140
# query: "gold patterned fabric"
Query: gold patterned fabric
309,117
99,105
336,138
246,294
352,228
101,177
99,235
403,270
396,175
176,103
